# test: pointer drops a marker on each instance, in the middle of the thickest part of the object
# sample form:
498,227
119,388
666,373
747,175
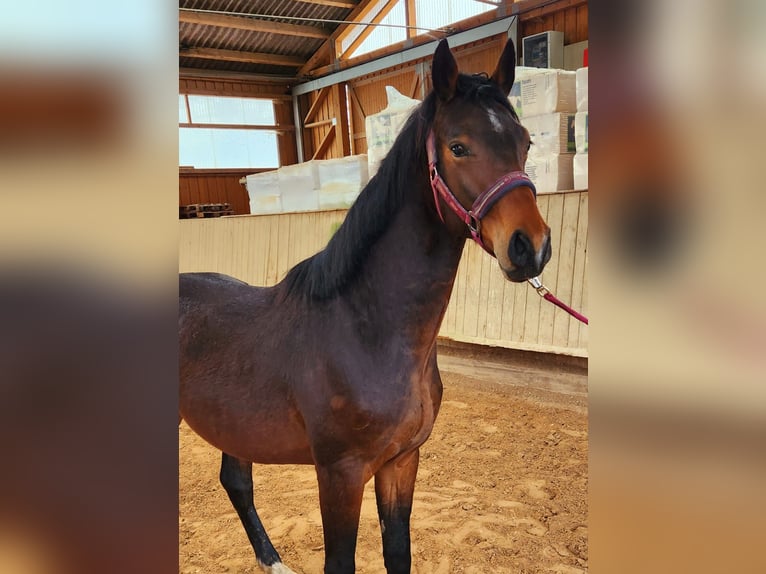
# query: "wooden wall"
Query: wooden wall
484,309
210,186
568,16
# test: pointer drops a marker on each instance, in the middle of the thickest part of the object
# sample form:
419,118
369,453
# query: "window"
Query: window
226,132
390,19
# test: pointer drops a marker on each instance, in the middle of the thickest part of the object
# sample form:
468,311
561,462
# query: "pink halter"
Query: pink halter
482,204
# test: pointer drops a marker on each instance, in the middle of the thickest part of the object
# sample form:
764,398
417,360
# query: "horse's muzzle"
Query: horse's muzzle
527,260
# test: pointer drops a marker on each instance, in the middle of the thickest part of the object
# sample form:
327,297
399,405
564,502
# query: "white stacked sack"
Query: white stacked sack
341,180
308,186
545,100
299,187
581,131
538,91
581,171
263,189
381,129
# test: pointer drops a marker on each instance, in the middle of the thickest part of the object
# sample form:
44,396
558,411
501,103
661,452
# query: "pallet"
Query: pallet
197,210
206,214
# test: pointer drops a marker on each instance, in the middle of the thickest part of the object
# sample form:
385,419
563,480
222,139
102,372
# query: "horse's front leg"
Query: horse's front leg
394,487
341,485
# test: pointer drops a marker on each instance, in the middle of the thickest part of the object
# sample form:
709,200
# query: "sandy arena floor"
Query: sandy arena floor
502,487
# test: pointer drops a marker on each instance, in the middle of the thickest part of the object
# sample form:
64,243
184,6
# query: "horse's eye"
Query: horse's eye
529,145
458,150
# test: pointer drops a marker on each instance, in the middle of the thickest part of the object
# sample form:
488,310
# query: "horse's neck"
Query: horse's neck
409,275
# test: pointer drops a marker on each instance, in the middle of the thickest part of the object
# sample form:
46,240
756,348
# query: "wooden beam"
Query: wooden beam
240,23
237,56
341,126
225,75
268,128
324,144
333,3
410,18
538,8
385,9
355,99
326,49
327,122
315,106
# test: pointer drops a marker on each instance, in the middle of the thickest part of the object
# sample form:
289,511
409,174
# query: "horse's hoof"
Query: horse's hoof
276,568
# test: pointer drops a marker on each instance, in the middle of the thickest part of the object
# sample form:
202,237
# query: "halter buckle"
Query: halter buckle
474,224
541,289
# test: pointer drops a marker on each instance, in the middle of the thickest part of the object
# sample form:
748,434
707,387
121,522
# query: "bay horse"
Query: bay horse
335,366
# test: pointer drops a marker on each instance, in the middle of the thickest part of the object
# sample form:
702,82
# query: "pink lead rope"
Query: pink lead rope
543,291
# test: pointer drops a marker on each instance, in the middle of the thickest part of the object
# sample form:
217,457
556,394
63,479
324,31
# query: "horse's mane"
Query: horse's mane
323,275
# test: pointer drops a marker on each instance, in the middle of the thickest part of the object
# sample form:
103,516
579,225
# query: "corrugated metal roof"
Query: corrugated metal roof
205,35
194,35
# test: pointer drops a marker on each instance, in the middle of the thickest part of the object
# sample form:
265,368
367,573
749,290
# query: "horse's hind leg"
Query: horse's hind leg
394,488
237,480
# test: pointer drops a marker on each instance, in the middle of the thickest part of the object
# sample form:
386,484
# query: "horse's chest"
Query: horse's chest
417,414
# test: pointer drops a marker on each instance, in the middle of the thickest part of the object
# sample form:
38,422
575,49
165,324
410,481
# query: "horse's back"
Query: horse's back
216,302
205,287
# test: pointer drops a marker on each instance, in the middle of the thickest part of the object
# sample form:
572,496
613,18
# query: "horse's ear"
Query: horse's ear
444,72
505,72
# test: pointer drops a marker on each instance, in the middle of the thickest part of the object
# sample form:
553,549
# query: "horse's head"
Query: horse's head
477,153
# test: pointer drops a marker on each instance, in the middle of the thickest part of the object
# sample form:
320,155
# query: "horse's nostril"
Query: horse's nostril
544,254
520,249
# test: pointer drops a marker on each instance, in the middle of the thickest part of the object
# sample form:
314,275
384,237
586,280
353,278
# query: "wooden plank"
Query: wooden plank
262,127
559,23
283,241
335,3
578,271
582,24
528,9
324,145
251,24
570,26
341,125
410,18
495,302
461,289
488,267
260,252
240,56
473,289
550,276
565,283
320,123
528,329
582,342
272,249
